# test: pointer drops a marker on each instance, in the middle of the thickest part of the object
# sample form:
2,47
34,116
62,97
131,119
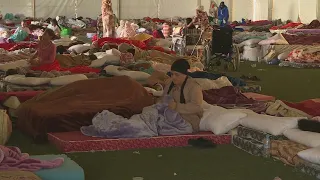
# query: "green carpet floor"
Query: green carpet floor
223,163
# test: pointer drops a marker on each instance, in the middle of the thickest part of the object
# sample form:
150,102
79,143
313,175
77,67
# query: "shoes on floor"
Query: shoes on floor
201,143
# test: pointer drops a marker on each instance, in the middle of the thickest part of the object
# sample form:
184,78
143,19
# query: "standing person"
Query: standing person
108,19
201,18
223,14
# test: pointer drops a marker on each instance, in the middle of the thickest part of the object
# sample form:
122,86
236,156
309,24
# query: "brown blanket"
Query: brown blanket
287,151
70,107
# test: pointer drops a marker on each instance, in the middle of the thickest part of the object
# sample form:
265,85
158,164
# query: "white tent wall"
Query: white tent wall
132,9
290,10
17,7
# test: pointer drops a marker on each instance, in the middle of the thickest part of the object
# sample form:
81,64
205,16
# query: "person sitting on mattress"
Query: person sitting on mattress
46,51
55,27
186,93
21,33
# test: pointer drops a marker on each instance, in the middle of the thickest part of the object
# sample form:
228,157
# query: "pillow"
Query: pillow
64,80
14,65
27,81
220,120
114,52
283,56
251,54
137,75
306,138
270,124
105,59
311,155
249,42
79,48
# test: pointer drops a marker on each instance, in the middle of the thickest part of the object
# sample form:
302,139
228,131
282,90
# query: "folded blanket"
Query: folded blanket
287,151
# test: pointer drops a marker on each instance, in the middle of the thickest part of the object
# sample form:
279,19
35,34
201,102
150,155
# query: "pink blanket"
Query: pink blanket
11,158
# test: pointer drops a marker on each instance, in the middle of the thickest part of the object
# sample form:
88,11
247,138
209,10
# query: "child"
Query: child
46,51
21,33
55,27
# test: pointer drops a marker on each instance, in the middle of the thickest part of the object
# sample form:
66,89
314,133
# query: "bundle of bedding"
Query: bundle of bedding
72,106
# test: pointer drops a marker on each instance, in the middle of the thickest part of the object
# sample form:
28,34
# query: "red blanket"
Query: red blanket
310,107
55,66
16,46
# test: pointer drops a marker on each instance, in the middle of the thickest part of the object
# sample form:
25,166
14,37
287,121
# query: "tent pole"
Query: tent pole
318,9
119,11
34,8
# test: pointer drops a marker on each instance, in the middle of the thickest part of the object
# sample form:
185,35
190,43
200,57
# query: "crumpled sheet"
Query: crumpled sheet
153,121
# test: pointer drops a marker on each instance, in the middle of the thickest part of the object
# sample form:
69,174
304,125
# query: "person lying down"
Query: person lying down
179,111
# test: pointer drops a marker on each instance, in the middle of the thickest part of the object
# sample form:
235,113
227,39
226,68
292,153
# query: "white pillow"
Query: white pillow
79,48
27,81
311,155
249,42
283,56
103,59
64,80
306,138
251,54
14,65
220,120
270,124
114,52
137,75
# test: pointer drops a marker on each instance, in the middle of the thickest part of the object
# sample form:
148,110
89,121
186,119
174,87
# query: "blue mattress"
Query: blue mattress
69,170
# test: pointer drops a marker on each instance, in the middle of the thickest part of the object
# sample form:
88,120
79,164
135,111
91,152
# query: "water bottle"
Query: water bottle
266,147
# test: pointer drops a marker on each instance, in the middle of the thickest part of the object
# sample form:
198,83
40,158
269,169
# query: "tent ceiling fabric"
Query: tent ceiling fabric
129,9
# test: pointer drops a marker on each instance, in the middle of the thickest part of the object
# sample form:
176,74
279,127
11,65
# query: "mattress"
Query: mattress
255,135
69,170
310,169
299,65
248,145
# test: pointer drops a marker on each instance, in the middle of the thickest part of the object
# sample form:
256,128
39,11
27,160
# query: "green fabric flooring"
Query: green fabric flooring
223,163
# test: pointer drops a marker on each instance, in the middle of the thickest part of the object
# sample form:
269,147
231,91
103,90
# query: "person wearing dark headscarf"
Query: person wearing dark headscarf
186,93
